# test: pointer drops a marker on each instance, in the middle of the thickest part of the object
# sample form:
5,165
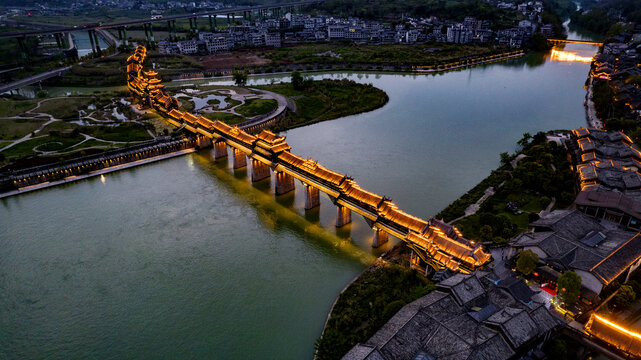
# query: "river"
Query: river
186,259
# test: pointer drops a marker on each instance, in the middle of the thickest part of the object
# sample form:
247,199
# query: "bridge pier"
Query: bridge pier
93,46
95,35
343,216
312,197
124,34
151,36
284,183
239,159
380,238
202,142
259,170
146,34
220,150
173,22
211,24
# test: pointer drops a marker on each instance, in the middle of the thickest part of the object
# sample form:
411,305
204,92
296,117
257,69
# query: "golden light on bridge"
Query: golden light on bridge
561,55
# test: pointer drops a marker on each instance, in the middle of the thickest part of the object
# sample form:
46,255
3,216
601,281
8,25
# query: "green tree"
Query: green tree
556,349
240,77
486,233
538,42
298,82
505,158
526,263
569,287
625,297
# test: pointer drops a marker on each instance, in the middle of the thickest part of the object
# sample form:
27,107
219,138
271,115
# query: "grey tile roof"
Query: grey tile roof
562,237
441,326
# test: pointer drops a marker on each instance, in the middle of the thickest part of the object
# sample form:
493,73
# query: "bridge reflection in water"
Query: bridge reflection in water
569,56
435,244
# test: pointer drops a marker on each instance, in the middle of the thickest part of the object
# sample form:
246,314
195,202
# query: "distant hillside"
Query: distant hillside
602,16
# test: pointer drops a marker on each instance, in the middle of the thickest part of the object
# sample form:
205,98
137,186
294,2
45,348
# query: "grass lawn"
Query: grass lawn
17,128
338,52
65,108
231,103
227,118
186,104
25,148
10,107
125,132
326,100
254,107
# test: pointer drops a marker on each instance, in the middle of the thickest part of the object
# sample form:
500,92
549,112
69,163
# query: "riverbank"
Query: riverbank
590,111
369,301
326,100
377,67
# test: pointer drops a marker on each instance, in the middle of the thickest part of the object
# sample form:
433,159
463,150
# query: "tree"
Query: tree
486,233
569,287
297,80
624,297
240,77
538,42
526,263
505,158
556,349
525,140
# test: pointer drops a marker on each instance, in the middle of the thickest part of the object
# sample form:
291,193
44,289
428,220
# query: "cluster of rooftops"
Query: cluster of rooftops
474,316
608,168
436,241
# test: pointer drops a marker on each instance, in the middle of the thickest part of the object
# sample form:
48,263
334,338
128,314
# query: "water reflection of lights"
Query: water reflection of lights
102,179
560,55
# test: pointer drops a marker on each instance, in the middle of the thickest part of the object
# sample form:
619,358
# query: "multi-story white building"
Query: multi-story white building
336,32
188,46
272,39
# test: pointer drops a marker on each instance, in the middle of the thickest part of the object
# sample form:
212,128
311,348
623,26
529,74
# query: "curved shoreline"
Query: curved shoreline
430,69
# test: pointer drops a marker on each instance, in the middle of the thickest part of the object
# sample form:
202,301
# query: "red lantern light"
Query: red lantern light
536,274
563,289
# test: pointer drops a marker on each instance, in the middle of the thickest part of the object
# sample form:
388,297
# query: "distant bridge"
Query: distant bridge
33,79
435,244
124,24
570,41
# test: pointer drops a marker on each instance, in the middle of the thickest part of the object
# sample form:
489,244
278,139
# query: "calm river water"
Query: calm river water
186,259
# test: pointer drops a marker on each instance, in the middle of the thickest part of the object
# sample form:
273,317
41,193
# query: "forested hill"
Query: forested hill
602,16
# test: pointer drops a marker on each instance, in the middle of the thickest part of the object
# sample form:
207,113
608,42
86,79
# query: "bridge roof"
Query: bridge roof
390,211
204,122
311,167
352,190
176,114
189,117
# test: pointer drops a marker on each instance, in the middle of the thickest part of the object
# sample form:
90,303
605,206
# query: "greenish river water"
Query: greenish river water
186,259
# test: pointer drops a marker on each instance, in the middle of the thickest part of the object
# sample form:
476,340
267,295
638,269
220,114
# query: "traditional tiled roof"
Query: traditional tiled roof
441,326
566,237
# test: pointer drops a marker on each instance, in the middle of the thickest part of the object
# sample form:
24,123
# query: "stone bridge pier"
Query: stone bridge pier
343,216
203,142
284,183
220,150
259,170
312,197
239,160
380,237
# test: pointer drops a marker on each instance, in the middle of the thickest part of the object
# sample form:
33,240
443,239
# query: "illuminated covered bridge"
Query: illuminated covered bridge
435,244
